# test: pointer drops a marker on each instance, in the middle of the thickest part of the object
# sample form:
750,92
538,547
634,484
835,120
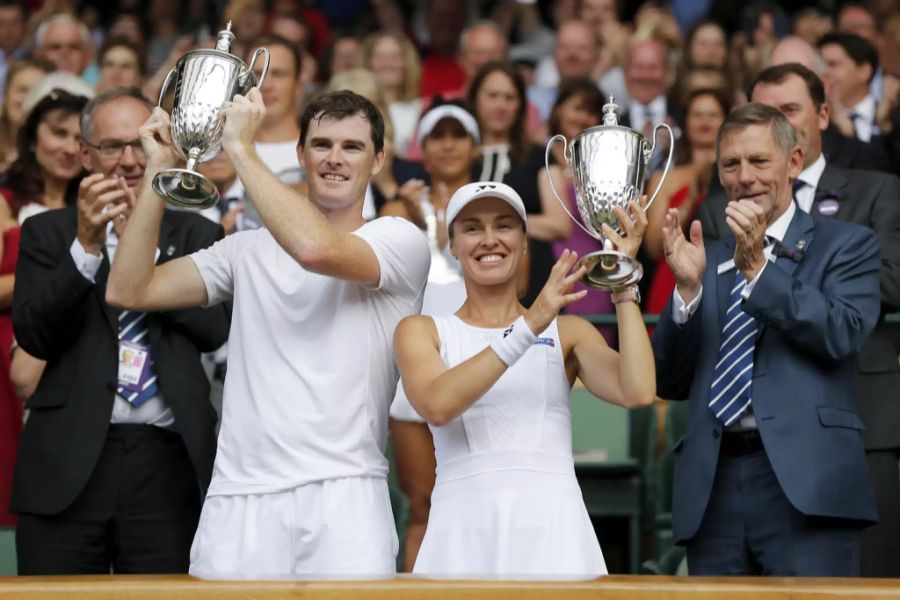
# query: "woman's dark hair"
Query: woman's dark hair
25,178
683,151
518,140
581,87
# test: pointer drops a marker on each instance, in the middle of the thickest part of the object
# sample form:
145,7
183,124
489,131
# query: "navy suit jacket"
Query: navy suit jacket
813,315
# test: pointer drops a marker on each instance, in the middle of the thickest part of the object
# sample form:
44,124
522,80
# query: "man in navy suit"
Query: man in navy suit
760,337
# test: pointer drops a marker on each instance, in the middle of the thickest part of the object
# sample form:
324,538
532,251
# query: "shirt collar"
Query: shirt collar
778,229
657,108
866,109
811,174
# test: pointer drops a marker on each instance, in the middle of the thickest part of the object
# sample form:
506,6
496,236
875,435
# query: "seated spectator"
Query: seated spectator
64,41
394,61
21,77
121,65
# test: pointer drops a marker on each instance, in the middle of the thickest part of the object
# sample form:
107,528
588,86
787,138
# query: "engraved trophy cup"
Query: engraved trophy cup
204,81
607,163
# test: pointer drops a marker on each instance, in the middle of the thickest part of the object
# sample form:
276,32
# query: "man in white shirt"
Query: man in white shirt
300,479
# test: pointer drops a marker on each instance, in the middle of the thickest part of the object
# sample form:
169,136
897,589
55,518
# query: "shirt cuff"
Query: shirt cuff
748,289
87,264
681,312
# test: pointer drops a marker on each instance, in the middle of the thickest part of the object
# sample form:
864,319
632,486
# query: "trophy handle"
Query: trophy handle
668,160
557,138
165,86
265,71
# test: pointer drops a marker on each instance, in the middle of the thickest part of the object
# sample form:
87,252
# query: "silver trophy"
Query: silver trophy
608,163
204,81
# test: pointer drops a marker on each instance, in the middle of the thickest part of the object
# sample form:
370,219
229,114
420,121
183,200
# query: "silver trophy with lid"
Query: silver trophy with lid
205,80
608,163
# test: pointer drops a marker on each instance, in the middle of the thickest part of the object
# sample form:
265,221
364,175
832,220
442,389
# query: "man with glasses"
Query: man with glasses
118,448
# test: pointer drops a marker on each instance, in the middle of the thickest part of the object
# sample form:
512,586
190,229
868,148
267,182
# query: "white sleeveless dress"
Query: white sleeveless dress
506,501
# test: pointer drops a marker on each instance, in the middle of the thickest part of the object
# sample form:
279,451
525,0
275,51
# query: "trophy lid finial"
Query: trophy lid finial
609,112
225,39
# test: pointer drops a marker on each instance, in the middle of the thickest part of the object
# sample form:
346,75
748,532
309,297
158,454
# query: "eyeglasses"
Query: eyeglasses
113,149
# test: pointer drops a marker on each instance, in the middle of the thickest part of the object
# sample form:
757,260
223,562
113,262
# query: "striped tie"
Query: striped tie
133,328
733,374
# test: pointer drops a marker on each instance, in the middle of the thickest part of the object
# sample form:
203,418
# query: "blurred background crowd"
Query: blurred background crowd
525,70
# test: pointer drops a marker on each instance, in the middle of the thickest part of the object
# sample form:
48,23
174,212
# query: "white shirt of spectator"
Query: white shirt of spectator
863,117
310,367
810,176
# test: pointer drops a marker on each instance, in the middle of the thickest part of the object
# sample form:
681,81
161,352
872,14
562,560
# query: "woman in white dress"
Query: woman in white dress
493,382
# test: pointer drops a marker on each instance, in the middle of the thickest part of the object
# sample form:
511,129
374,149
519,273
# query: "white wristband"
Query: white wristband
516,340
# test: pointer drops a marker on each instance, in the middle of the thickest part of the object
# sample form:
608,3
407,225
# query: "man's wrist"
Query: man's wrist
91,247
688,292
628,294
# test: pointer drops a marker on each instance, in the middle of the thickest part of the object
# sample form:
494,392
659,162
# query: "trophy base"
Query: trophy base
185,189
610,270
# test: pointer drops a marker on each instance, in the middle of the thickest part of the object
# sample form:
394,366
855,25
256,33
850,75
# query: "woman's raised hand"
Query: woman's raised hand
557,292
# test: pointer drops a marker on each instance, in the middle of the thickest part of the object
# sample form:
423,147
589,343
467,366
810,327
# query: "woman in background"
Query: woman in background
44,176
20,78
579,106
497,95
686,186
448,135
394,61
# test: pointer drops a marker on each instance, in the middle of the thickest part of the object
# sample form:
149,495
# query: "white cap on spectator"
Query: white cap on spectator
448,111
483,189
67,82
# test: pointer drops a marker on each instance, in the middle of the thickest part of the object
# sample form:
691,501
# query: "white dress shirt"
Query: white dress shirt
810,176
863,116
154,411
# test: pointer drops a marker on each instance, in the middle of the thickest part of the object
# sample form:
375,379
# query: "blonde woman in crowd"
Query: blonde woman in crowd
20,78
394,61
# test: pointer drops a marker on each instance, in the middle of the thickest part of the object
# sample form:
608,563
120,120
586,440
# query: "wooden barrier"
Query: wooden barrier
615,587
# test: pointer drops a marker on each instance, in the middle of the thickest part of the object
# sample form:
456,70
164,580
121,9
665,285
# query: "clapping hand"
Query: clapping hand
686,258
747,222
101,199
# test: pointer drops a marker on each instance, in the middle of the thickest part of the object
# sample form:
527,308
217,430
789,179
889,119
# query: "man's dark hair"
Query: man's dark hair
859,49
779,73
341,105
271,39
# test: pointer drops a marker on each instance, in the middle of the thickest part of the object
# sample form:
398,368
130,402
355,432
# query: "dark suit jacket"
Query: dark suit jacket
873,200
813,317
850,153
61,317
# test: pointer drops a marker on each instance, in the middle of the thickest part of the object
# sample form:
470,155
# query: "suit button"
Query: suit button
715,433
